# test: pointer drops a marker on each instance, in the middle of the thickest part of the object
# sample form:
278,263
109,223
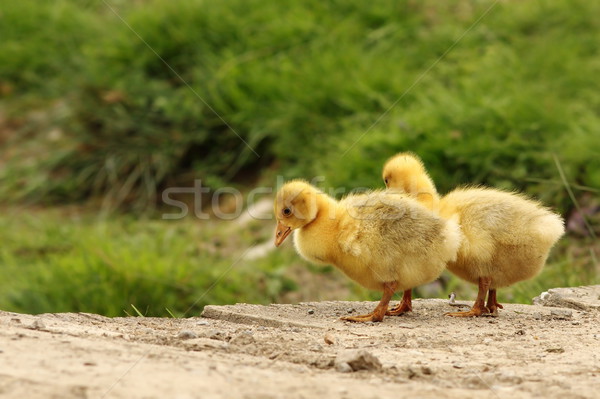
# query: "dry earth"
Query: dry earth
305,351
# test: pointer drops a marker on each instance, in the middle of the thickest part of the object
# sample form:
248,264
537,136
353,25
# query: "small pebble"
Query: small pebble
216,334
296,330
520,332
457,365
426,370
187,334
343,368
37,324
89,364
561,314
358,360
329,339
311,311
537,316
351,310
452,297
202,323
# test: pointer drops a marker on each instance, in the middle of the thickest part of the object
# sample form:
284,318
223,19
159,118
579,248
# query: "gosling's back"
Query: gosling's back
396,238
507,236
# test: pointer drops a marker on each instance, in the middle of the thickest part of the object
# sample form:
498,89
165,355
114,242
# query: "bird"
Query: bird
383,241
507,236
406,173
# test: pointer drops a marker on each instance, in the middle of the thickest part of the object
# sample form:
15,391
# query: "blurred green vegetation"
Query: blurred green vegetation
110,111
300,83
104,267
62,260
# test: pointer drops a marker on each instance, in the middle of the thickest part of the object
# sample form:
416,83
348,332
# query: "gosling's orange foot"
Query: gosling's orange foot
404,306
364,318
494,309
399,309
474,312
492,303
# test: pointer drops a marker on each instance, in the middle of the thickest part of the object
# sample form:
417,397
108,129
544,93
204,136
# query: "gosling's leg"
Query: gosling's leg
492,303
379,312
479,307
403,307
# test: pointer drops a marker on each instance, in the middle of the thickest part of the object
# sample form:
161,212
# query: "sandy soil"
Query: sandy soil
295,351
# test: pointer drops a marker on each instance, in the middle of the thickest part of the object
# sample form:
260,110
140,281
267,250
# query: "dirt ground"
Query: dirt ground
305,351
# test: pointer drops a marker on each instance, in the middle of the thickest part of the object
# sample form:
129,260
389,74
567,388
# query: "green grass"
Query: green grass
53,262
66,261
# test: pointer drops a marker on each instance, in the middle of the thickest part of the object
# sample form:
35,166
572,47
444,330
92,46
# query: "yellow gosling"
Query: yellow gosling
383,241
507,236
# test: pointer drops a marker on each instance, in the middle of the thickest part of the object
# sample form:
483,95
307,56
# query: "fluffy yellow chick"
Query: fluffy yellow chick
507,236
383,241
406,173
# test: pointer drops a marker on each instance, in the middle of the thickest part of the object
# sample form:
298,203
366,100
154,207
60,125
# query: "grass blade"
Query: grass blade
137,311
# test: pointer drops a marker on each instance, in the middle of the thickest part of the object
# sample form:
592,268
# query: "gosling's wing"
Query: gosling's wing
381,223
489,215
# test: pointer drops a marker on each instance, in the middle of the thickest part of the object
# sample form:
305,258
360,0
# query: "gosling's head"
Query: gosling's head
400,171
295,207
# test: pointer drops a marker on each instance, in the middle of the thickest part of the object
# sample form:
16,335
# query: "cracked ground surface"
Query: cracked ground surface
290,351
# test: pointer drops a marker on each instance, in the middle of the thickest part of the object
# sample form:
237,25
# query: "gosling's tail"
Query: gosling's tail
550,228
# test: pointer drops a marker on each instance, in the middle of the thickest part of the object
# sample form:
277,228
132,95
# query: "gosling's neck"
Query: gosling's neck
327,212
424,191
315,240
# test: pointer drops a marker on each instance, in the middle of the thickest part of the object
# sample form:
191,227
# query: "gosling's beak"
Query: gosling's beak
281,233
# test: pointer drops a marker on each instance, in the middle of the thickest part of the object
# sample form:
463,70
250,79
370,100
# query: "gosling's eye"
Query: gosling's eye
287,211
386,181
